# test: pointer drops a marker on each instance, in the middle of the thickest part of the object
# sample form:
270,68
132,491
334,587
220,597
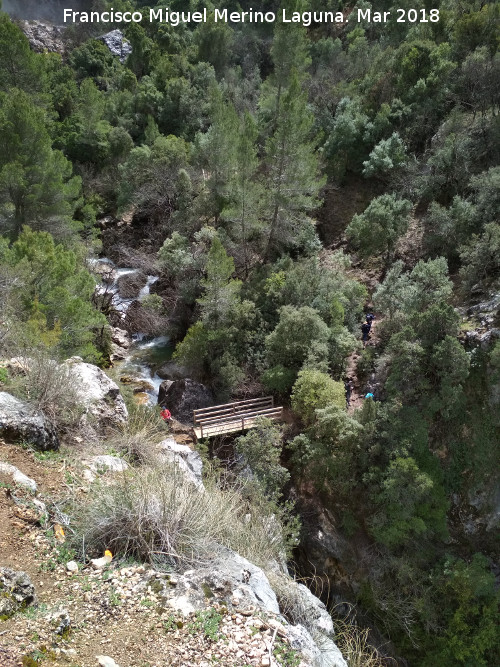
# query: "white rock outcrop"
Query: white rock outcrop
187,460
98,394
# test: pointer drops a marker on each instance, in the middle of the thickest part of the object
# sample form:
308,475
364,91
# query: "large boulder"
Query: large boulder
183,396
98,394
231,577
19,422
16,592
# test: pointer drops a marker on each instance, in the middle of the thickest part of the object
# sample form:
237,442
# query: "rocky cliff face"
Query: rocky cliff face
44,36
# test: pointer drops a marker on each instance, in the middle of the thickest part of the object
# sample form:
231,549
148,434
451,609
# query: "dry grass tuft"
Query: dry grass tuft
138,437
154,514
354,644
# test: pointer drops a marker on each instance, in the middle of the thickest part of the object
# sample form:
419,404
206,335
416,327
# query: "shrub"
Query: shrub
260,449
154,514
141,432
50,387
315,390
279,379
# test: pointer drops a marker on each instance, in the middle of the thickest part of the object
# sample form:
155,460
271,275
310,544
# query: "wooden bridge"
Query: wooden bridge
233,417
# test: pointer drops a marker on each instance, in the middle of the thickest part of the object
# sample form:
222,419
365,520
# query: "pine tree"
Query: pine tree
292,172
217,149
36,185
245,193
292,166
221,291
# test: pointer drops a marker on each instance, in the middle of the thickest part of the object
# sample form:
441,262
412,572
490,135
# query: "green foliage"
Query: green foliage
480,257
54,296
411,506
300,336
377,229
208,622
470,608
313,391
387,155
220,291
260,450
36,185
20,67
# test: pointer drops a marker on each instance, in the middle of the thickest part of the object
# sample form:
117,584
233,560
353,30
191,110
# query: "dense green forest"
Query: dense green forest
285,181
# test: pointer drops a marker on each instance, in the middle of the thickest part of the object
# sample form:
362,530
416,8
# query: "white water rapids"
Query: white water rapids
146,354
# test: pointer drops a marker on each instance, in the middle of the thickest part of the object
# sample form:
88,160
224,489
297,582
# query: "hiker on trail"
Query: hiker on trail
365,332
370,395
369,318
166,415
349,386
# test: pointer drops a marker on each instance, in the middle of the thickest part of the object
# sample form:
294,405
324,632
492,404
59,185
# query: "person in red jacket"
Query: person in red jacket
166,415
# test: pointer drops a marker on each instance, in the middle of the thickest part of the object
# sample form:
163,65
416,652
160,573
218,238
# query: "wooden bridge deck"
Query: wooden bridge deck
233,417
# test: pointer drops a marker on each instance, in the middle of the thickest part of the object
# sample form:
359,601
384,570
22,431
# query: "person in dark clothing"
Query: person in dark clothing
365,332
369,318
349,386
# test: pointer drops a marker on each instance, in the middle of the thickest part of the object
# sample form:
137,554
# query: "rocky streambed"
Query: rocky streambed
138,356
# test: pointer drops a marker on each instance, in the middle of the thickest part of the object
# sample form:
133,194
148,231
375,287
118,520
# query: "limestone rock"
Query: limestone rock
120,337
106,462
183,396
188,461
44,37
19,422
106,661
98,393
317,614
16,591
72,566
117,44
231,576
17,476
60,620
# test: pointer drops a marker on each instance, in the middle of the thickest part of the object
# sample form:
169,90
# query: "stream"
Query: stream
146,354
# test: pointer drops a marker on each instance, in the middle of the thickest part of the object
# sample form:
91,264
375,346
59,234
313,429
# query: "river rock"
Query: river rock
16,591
98,393
172,371
130,284
17,476
20,422
163,391
188,461
183,396
117,44
120,338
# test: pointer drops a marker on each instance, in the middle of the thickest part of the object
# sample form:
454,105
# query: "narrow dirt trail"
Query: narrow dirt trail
358,391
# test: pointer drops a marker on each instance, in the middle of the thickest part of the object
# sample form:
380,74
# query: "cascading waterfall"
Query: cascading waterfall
145,354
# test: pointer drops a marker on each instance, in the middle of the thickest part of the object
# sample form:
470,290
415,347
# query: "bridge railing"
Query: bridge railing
234,408
234,416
